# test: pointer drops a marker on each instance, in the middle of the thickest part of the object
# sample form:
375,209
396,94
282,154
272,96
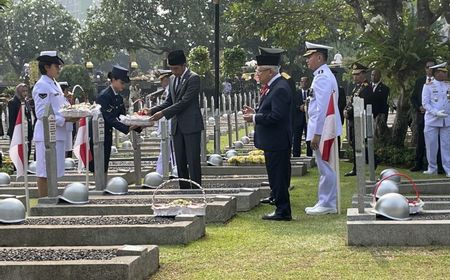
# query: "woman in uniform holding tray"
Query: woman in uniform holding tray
112,107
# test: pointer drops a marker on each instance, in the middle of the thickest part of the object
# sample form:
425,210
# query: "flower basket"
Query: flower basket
178,206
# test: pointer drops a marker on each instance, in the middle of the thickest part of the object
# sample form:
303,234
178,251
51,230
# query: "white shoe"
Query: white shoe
320,210
311,208
430,172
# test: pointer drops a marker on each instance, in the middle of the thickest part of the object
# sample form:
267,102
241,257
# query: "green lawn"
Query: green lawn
306,248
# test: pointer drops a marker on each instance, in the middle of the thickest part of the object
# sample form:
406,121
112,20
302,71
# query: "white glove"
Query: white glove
441,114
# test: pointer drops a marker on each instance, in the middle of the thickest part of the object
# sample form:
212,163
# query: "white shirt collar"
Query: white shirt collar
376,84
273,79
323,66
115,93
429,77
184,73
49,80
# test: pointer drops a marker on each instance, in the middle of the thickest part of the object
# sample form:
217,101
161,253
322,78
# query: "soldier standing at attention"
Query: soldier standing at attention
435,100
323,86
48,92
363,90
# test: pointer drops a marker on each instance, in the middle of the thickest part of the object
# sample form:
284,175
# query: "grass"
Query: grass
224,139
306,248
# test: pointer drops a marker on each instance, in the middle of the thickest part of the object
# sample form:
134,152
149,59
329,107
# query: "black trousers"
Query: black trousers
107,152
420,140
297,134
278,165
187,155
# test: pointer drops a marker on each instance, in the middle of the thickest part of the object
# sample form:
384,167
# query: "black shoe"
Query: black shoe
267,200
276,217
351,173
415,168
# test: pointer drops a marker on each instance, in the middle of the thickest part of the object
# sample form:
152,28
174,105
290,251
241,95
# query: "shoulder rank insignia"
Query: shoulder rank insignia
42,95
320,72
285,75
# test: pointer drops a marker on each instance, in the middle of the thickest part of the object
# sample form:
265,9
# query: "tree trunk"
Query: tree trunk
401,121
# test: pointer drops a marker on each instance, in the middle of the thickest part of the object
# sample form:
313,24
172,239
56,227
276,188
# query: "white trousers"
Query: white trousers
172,162
327,182
432,133
41,168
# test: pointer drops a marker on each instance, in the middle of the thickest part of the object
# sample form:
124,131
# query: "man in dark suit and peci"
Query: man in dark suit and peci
182,107
273,133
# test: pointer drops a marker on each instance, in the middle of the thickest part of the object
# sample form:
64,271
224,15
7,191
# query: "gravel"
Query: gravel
231,185
34,254
145,201
120,220
422,216
429,216
183,192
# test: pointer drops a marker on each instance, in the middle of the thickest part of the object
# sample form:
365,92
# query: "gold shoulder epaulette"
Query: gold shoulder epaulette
285,75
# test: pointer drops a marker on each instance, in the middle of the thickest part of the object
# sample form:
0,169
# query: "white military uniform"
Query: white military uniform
172,162
47,91
435,99
323,85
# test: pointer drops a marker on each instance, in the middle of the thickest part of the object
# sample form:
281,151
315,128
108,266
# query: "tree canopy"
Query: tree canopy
31,26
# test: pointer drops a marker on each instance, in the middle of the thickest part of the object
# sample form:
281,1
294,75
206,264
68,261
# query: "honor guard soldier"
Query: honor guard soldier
48,92
112,107
324,86
362,90
436,101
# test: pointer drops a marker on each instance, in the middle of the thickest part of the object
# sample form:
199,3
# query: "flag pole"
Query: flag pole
25,156
86,165
338,179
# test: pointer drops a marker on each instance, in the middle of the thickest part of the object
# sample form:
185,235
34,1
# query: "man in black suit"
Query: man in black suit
416,101
380,96
273,117
13,109
299,118
182,107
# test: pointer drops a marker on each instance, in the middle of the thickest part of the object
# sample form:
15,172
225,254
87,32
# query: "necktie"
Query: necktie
374,86
428,79
305,95
177,83
264,89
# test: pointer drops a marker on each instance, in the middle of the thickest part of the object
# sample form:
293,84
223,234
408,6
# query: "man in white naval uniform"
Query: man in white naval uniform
48,92
323,86
165,80
435,100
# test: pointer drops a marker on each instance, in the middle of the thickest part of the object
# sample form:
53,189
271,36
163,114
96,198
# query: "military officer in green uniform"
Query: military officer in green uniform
363,90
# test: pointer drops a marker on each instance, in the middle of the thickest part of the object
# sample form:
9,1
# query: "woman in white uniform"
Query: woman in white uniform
48,92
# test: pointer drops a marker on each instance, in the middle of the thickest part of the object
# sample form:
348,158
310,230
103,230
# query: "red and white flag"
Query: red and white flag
81,142
16,147
327,144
